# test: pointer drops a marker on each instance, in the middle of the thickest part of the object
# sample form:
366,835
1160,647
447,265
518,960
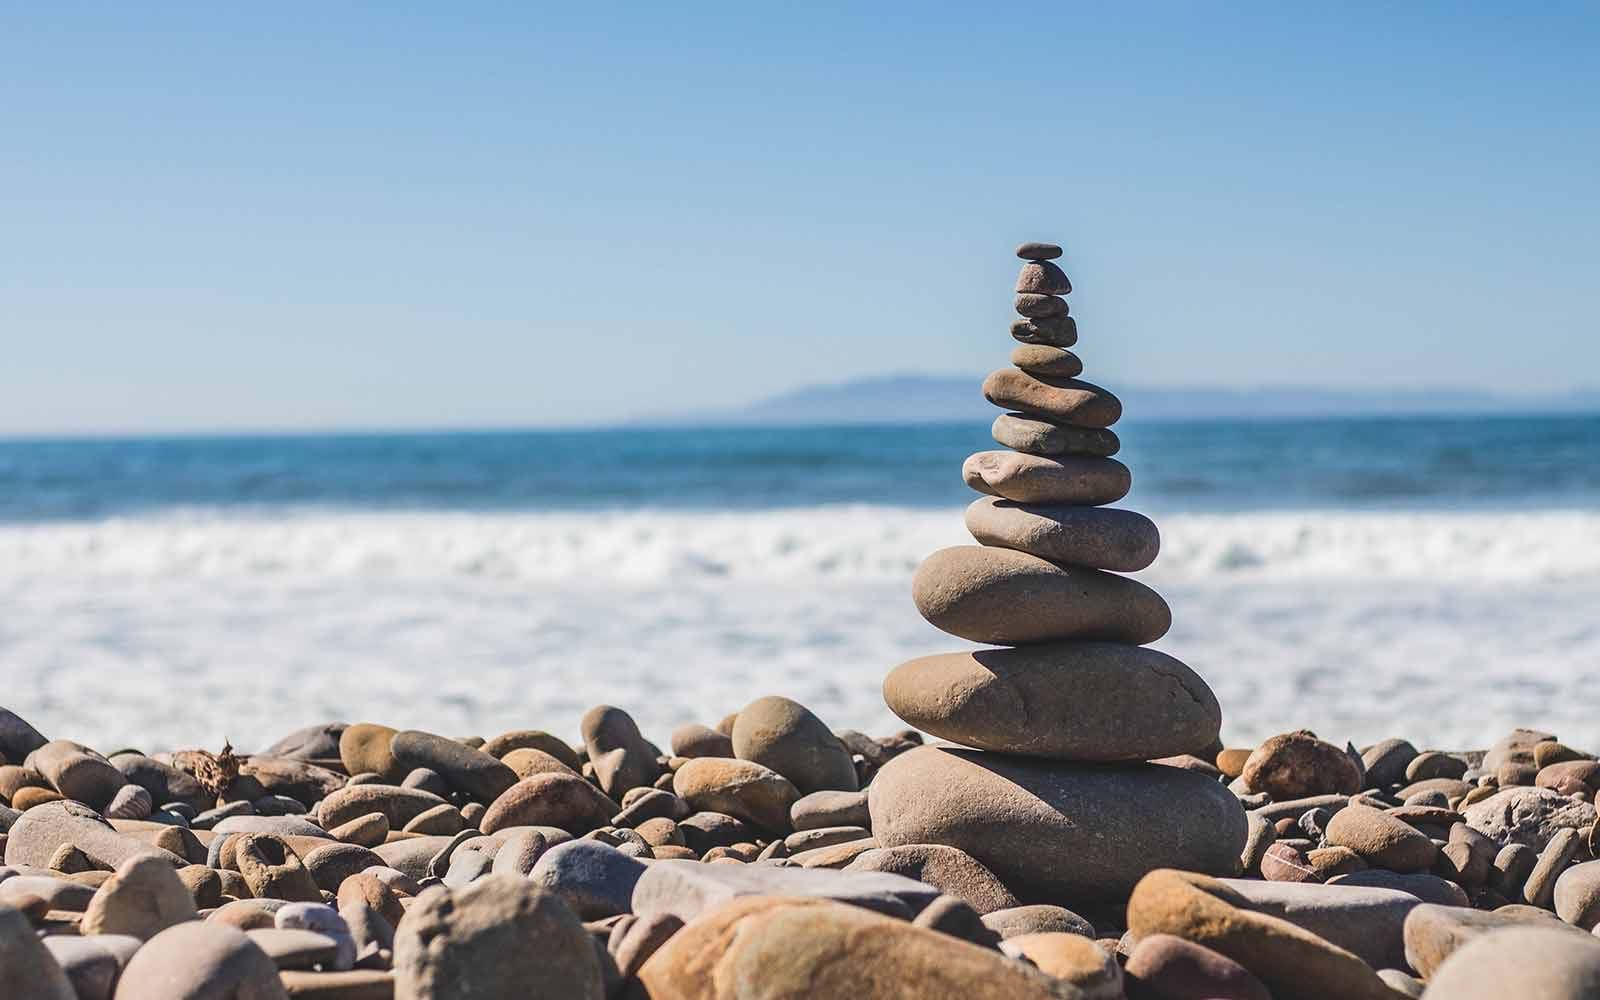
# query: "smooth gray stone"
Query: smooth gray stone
17,738
200,960
92,963
1366,921
34,838
595,879
824,809
1295,808
1434,933
686,889
60,893
1428,888
1521,963
283,826
466,866
1037,918
1057,831
27,969
294,948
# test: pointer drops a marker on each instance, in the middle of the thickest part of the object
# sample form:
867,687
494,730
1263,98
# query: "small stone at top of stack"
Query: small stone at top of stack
1073,696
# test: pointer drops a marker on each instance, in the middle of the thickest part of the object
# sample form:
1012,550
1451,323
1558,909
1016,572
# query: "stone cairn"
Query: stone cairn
1053,795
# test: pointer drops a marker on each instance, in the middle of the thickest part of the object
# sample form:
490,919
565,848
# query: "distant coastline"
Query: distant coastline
918,399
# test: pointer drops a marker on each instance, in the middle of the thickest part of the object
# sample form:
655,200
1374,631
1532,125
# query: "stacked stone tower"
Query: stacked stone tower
1058,716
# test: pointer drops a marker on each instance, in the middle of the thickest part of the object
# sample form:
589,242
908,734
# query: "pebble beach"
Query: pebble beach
1049,800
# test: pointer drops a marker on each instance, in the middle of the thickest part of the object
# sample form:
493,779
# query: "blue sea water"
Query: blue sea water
1431,463
1428,577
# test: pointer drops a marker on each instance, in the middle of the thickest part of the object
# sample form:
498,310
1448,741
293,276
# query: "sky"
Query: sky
299,216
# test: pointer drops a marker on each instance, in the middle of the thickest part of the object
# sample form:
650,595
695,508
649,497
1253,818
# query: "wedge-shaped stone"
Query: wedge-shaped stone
1054,831
1079,480
1011,598
1066,401
1291,961
1098,537
1095,701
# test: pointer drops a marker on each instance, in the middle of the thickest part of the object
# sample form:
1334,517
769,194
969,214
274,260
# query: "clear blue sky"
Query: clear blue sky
304,215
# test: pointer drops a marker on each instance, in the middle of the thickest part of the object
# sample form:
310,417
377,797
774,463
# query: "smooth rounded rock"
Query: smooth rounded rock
739,788
40,832
364,748
1068,701
783,735
1382,840
696,740
1038,251
1044,361
200,960
1577,895
552,799
77,772
1063,401
1037,918
820,810
27,969
499,938
1433,933
1164,967
1070,959
474,773
621,756
1041,437
1051,830
1074,480
1098,537
1011,598
143,898
534,739
953,872
1520,963
398,805
767,948
595,879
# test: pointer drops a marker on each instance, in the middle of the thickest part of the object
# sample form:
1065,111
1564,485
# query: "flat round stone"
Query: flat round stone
1011,598
1099,537
1067,479
1041,277
1056,331
1038,251
1041,437
1064,401
1046,361
1034,305
1067,701
1056,830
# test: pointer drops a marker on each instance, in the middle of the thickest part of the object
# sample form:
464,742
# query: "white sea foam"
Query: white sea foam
186,628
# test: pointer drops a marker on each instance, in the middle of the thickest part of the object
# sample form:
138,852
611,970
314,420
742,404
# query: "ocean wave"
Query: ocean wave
869,543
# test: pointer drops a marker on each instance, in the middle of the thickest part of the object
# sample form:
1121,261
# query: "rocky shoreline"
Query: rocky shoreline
1079,832
769,856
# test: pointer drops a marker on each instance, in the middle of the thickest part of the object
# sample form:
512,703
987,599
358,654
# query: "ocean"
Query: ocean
1436,578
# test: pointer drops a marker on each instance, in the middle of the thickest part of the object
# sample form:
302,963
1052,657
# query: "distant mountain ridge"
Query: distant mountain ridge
955,398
